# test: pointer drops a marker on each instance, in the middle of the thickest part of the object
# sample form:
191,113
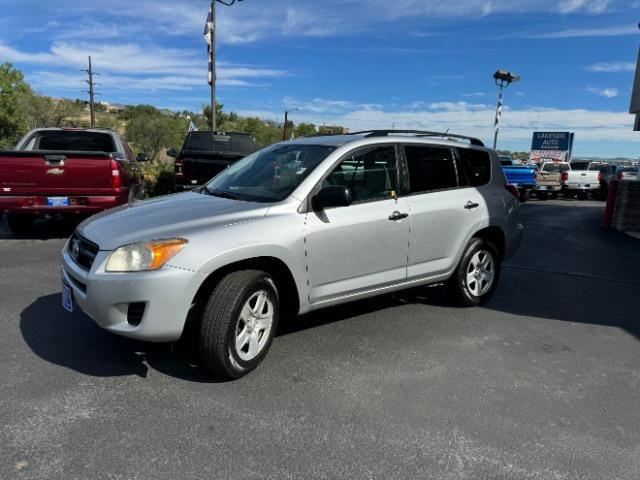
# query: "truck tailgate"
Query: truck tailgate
583,178
55,173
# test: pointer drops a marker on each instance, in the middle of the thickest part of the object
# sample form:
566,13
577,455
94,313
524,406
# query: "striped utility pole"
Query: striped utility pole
503,79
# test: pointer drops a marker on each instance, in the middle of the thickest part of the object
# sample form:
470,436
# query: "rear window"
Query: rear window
212,142
477,164
555,167
430,168
579,165
72,141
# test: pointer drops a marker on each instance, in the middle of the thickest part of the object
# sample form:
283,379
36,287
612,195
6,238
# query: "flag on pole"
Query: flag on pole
192,127
208,30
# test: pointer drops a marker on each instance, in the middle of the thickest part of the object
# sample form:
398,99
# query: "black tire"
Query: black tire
582,195
543,196
554,196
20,223
524,196
460,292
221,320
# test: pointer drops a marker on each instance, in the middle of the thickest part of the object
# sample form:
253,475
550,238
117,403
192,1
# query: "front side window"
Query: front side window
430,168
370,174
268,175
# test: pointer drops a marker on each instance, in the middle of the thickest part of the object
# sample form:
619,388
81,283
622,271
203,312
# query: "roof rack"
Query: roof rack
419,133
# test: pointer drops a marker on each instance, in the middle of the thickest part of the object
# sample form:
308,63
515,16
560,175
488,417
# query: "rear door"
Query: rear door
444,209
361,247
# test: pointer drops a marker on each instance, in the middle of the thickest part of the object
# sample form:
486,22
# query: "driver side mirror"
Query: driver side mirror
172,152
142,157
332,196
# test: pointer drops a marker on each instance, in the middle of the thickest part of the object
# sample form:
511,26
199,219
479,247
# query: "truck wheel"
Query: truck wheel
239,322
542,196
20,223
524,196
554,196
582,195
476,276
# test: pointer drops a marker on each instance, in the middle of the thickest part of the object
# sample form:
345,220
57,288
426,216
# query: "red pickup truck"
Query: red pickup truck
70,172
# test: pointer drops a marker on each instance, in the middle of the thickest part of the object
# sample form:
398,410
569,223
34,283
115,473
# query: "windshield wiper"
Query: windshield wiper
222,194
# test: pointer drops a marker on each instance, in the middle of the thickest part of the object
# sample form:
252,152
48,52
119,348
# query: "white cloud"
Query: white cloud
134,66
603,92
474,94
613,67
611,31
517,125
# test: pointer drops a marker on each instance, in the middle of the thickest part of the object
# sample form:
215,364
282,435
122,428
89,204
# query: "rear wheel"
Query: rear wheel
554,196
239,322
524,196
20,223
476,277
582,195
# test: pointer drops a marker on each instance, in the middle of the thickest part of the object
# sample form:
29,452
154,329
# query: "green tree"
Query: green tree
12,89
41,111
150,131
305,129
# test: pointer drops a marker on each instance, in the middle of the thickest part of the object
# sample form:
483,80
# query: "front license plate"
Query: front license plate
67,297
58,201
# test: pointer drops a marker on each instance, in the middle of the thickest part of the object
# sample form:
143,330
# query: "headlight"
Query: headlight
138,257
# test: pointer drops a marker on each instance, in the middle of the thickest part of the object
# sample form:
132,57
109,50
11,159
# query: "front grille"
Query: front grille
82,251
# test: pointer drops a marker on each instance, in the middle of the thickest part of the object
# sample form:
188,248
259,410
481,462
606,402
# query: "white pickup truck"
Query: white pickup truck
583,180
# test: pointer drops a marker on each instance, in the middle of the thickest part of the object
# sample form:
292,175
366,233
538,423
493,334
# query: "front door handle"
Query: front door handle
471,205
395,216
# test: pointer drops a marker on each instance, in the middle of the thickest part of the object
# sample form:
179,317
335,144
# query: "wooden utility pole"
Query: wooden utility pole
212,66
91,93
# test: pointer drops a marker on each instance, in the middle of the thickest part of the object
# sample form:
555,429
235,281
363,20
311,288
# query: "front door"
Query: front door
361,247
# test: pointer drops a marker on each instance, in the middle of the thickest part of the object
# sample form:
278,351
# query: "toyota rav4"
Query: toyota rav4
292,228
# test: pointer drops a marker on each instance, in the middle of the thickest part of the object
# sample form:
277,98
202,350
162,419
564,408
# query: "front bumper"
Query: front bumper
167,295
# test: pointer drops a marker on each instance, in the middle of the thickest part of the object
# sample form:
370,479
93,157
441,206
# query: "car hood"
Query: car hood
166,217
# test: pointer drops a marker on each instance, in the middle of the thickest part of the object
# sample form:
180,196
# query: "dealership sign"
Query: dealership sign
560,141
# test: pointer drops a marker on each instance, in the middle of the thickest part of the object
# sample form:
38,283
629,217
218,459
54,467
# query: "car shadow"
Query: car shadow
74,341
43,229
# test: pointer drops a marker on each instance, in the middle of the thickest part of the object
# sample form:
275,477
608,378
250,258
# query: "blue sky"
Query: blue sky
360,63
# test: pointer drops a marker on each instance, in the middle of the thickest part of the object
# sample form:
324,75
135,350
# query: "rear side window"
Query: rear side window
75,141
477,165
430,168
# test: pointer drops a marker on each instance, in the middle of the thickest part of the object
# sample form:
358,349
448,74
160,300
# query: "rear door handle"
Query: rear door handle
471,205
395,216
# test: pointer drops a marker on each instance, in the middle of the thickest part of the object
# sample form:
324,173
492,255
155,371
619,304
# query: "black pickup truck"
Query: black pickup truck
204,154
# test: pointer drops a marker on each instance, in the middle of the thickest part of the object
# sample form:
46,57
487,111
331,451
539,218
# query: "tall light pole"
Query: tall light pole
503,79
210,37
634,108
286,120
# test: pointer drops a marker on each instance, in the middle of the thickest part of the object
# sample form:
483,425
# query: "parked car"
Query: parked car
205,154
583,180
66,171
523,177
627,173
292,228
549,179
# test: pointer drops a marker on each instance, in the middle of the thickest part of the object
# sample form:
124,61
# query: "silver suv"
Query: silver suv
292,228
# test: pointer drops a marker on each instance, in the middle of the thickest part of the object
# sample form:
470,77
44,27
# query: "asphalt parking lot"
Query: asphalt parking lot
543,382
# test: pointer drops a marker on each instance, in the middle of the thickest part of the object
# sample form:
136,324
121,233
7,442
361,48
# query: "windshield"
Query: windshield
268,175
555,167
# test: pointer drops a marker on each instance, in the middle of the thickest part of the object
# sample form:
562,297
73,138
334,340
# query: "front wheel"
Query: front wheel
239,322
476,276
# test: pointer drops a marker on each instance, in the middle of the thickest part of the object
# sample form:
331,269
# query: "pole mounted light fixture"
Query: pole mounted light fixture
286,120
503,79
210,35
